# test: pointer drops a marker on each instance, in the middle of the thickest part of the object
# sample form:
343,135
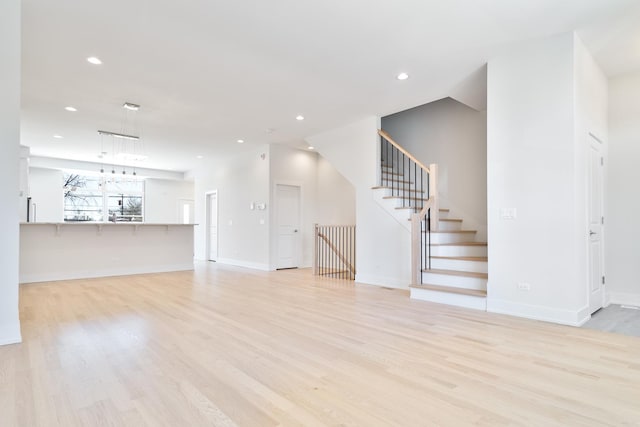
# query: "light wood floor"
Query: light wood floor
226,346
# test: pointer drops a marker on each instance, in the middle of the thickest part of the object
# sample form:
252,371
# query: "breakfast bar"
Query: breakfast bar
76,250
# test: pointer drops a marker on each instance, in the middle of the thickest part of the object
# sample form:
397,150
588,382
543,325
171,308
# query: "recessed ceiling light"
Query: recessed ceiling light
56,136
70,108
130,106
200,157
93,60
241,141
402,76
311,147
299,118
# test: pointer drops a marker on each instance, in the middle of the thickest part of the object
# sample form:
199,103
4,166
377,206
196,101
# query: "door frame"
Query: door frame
591,139
207,204
274,224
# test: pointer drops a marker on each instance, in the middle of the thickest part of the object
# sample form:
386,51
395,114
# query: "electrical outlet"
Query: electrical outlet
523,286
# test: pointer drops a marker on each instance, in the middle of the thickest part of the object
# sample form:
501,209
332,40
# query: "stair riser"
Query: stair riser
449,225
467,301
398,182
455,281
452,237
401,193
460,265
459,250
397,203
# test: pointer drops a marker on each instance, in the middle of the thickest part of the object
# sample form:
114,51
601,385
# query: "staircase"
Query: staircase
449,265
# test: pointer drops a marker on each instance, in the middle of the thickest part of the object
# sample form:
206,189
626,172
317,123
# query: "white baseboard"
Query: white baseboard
245,264
624,298
73,275
536,312
11,339
387,282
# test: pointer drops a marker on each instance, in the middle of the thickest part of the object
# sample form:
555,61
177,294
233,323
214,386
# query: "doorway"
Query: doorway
596,222
186,211
288,226
212,225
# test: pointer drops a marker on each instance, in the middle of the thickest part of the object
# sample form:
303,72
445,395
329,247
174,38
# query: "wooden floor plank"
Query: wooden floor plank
234,347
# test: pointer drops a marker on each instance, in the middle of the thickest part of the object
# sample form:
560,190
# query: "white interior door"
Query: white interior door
288,220
212,224
596,188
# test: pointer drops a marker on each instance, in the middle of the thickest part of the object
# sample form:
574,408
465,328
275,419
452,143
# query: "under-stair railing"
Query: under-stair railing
334,251
416,186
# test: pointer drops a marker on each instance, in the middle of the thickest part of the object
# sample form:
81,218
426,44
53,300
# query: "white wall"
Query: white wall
535,163
591,111
336,198
454,136
622,209
243,234
383,252
162,199
327,197
9,172
46,193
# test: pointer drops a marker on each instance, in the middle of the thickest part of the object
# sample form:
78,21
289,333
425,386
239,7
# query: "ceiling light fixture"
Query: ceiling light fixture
57,136
241,141
199,157
93,60
299,118
311,147
70,108
402,76
131,106
119,135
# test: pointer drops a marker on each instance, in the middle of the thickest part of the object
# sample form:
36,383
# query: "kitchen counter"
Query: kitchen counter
76,250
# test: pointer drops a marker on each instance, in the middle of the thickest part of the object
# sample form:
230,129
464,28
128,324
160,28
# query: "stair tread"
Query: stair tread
457,273
401,181
392,173
462,258
450,219
379,187
405,198
461,244
452,231
452,290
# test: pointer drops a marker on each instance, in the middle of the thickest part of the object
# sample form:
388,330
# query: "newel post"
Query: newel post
433,193
416,253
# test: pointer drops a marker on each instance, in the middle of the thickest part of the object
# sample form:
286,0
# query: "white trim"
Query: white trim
207,225
537,312
92,274
246,264
387,282
11,339
624,298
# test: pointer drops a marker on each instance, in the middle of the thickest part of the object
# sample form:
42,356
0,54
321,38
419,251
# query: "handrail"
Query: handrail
405,181
386,136
338,253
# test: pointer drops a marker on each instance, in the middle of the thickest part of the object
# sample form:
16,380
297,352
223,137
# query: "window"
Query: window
98,198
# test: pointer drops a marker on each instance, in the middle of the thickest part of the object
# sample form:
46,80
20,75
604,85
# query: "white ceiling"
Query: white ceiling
208,72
